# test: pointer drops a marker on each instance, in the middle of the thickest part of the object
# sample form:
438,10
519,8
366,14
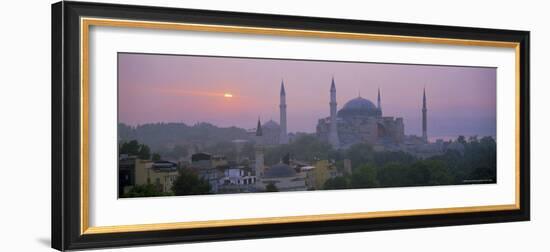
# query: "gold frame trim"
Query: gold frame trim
85,24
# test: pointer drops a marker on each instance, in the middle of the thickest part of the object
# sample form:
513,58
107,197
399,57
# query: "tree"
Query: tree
130,148
393,174
148,190
364,177
144,152
134,148
155,157
385,157
360,154
188,183
429,172
336,183
439,173
271,188
418,174
461,139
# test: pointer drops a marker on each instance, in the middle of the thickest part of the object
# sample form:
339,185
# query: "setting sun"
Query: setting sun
227,95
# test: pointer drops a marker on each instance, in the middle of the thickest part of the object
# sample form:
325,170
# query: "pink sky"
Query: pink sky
189,89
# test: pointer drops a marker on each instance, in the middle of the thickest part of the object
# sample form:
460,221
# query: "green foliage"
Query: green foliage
134,148
393,174
188,183
364,177
144,152
130,148
336,183
360,154
271,188
386,157
476,164
148,190
155,157
429,172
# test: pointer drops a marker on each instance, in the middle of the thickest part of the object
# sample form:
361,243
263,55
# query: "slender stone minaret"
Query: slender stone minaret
259,152
283,138
333,131
424,118
379,103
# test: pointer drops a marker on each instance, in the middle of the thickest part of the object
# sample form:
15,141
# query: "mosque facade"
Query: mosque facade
360,121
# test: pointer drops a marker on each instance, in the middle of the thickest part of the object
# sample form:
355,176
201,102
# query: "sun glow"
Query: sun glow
227,95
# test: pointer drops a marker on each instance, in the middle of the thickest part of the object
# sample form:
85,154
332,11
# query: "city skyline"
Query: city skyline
236,91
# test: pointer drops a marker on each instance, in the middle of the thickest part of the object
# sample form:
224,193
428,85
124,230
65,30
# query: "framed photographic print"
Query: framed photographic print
180,125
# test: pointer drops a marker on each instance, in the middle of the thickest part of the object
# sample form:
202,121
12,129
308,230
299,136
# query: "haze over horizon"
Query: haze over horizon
236,91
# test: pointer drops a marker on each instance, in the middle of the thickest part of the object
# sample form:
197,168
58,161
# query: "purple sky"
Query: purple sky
190,89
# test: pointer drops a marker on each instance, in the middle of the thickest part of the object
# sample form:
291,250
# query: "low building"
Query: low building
126,174
236,180
209,167
284,177
162,174
133,171
319,173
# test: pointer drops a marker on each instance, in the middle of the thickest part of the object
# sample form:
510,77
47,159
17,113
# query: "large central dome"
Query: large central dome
358,107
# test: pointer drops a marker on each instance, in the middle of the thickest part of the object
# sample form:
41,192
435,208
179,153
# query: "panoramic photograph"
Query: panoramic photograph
199,125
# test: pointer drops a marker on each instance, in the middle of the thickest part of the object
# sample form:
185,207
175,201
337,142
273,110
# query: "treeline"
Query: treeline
475,164
306,148
173,140
470,160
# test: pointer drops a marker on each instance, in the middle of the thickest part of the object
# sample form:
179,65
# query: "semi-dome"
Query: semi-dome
280,171
358,107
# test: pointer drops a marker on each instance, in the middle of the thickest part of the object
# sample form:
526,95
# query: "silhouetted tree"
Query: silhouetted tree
364,177
155,157
271,188
144,152
148,190
188,183
336,183
130,148
134,148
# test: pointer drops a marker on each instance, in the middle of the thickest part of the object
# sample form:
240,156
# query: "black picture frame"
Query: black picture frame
66,114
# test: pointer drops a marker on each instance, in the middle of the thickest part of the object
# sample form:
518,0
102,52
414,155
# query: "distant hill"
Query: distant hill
160,136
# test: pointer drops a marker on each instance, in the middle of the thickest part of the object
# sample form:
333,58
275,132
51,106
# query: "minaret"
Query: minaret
379,103
259,152
424,118
333,131
283,138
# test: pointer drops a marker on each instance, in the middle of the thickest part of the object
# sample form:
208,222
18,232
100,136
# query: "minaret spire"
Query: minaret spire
379,102
259,132
259,153
283,137
333,130
424,117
